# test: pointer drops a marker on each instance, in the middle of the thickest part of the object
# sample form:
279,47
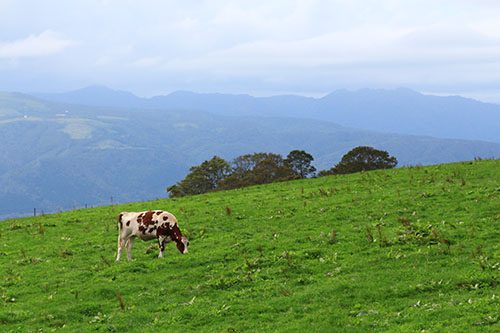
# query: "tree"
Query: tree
300,162
272,169
257,168
215,171
203,178
246,163
245,170
324,173
364,158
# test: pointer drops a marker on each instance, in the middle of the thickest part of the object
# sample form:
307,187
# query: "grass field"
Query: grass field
407,249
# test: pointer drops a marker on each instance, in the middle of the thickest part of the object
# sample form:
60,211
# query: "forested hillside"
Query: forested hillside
60,156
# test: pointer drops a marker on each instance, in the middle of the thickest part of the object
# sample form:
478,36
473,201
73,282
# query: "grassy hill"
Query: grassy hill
407,249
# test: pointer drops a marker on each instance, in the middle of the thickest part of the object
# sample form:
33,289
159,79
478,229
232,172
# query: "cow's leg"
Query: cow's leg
161,245
120,246
120,240
130,242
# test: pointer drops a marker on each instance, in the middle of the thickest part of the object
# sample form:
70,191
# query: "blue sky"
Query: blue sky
257,47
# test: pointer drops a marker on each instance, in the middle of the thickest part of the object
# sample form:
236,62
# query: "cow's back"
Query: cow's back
129,224
145,224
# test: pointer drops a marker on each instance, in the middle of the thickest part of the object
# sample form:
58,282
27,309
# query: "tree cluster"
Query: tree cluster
245,170
264,168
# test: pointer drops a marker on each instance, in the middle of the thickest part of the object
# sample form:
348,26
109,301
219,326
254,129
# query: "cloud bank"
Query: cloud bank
261,47
46,43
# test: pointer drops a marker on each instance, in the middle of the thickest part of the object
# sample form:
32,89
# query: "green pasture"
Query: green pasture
410,250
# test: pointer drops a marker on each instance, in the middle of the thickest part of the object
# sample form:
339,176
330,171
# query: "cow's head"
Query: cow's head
183,244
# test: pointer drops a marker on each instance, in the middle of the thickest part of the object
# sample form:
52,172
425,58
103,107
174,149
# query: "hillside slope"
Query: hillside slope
60,156
407,249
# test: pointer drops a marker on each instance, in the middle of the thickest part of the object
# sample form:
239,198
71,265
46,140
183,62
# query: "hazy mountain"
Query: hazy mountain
55,155
409,112
400,111
95,96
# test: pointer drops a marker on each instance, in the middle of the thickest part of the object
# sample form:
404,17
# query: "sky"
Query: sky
305,47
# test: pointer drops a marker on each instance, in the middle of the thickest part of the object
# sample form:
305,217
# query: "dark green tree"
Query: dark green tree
257,168
246,163
272,169
324,173
203,178
364,158
300,162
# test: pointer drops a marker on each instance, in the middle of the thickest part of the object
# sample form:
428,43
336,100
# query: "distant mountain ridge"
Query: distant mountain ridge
95,95
401,111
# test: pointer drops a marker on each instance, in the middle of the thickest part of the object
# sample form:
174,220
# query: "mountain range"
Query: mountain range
402,110
96,146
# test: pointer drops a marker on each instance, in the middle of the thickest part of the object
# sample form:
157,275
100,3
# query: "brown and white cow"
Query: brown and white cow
149,225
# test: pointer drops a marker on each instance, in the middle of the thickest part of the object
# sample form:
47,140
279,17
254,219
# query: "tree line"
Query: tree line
264,168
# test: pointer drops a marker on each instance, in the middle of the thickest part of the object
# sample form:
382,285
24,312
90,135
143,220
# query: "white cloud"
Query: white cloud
404,49
43,44
147,62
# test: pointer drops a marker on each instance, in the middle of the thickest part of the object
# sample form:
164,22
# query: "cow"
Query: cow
149,225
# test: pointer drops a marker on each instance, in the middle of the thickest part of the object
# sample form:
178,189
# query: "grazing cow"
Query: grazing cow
149,225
